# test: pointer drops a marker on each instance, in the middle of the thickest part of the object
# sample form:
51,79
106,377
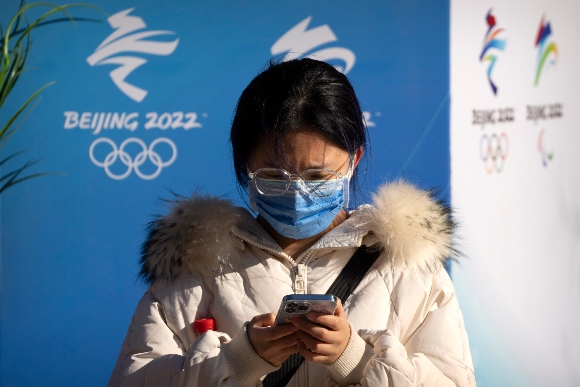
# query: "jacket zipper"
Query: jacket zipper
300,285
298,269
302,371
265,248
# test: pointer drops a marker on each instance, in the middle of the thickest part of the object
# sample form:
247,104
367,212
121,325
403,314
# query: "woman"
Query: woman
297,139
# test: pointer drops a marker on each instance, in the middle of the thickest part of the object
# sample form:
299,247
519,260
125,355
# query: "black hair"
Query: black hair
291,95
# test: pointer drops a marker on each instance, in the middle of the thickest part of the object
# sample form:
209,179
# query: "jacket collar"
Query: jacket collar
201,233
349,233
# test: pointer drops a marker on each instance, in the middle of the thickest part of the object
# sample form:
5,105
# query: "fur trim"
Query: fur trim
194,236
415,229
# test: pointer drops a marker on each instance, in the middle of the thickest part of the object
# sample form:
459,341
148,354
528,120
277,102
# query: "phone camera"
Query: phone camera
297,307
291,307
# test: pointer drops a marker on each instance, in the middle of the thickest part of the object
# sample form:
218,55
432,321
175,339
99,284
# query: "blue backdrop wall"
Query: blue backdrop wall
142,105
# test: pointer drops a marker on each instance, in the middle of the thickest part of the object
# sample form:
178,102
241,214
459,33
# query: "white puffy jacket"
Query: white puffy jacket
208,258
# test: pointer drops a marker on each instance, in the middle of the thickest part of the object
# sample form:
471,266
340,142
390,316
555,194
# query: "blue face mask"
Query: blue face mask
299,214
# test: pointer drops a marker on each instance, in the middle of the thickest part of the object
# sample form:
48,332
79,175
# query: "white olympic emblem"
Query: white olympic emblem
493,151
133,164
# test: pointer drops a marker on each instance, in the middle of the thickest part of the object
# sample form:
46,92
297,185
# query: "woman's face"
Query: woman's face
305,149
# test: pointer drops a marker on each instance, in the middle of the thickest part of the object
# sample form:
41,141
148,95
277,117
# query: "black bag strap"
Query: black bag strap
353,272
342,287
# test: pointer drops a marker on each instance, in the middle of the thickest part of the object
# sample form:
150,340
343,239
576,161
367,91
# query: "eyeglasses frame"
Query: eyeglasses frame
288,177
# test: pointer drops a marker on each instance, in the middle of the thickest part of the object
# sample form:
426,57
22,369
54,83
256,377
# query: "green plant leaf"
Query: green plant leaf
15,43
12,177
9,158
44,23
10,131
22,108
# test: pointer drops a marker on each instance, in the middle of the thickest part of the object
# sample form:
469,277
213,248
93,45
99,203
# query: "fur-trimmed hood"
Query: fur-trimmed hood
412,228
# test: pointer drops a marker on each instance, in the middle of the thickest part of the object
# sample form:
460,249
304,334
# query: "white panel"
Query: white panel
520,223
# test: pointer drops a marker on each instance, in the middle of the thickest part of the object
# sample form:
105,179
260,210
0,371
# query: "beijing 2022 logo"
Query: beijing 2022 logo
491,45
299,41
118,48
546,48
129,46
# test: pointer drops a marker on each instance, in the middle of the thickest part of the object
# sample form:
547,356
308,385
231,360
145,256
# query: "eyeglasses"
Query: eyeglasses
276,182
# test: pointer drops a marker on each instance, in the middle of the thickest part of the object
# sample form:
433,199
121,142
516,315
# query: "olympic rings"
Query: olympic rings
493,151
146,153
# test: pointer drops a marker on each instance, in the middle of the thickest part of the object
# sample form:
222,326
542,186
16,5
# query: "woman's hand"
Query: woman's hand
273,343
323,337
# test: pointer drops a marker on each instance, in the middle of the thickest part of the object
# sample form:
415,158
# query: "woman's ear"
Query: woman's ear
358,156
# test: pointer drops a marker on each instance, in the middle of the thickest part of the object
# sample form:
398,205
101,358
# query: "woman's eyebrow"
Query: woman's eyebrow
317,166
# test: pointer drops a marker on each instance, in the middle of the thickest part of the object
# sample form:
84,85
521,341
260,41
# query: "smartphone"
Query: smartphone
300,304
